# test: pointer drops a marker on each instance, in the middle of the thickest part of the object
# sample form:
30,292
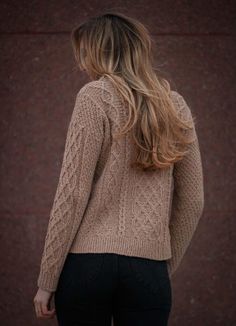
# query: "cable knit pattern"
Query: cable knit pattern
103,205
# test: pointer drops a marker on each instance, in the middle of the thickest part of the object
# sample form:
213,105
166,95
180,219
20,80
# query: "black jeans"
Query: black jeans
93,287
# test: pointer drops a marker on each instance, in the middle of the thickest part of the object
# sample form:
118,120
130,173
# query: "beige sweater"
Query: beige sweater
103,205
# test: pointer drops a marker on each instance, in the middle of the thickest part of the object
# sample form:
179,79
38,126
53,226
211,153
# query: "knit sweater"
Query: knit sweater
102,205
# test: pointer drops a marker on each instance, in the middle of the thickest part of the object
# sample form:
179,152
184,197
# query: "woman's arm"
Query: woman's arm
188,196
82,148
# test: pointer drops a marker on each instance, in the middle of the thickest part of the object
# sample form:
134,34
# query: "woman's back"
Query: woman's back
102,204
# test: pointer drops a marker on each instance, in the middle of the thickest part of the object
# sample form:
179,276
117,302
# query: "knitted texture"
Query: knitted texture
102,204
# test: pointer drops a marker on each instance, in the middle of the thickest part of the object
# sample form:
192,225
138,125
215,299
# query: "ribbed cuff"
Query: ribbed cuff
47,282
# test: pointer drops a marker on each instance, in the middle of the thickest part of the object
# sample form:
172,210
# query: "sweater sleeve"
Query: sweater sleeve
188,195
82,148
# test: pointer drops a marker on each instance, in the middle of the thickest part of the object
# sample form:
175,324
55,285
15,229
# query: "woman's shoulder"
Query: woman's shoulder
177,97
92,87
89,100
97,89
181,104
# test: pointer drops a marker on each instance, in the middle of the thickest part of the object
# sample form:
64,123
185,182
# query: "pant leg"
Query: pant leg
83,295
144,295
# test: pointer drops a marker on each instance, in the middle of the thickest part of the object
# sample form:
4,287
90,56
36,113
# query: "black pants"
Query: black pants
93,287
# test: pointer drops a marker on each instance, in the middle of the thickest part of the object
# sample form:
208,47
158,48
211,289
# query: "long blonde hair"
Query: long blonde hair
119,47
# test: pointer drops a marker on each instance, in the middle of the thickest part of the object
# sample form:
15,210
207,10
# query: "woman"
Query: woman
130,192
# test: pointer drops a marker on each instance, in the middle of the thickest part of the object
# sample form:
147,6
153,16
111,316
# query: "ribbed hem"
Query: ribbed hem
121,245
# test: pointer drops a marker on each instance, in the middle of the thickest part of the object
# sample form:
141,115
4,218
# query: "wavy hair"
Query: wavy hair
120,47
